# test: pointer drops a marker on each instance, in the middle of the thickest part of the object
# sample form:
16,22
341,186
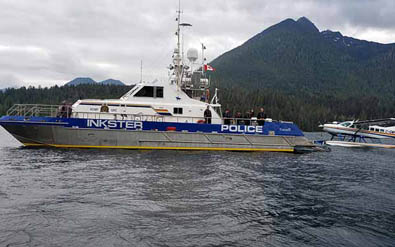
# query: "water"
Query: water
55,197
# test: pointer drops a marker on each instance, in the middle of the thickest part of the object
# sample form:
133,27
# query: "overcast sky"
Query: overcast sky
43,42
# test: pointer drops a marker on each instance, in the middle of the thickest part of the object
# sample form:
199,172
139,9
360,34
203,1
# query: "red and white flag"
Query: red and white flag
208,68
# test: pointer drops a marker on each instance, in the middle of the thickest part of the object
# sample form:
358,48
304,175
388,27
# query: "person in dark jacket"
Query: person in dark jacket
247,120
227,117
207,115
239,120
64,110
261,117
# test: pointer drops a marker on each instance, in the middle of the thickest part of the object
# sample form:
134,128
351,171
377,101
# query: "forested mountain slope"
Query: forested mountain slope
294,56
317,76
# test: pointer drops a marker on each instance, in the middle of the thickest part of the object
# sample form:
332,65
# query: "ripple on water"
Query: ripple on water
56,197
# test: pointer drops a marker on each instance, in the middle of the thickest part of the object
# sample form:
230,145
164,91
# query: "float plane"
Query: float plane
355,133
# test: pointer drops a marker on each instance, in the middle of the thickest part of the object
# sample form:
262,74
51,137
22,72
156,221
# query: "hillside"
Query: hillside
87,80
301,74
80,80
293,56
112,82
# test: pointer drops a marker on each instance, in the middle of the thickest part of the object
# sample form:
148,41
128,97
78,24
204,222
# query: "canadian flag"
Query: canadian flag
208,68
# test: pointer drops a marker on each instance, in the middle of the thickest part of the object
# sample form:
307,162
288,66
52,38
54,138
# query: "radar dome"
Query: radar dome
192,55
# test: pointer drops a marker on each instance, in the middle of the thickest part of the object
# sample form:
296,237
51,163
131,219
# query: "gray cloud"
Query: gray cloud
53,41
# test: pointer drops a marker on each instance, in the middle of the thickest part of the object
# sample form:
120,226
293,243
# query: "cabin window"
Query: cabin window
149,91
146,91
159,92
177,110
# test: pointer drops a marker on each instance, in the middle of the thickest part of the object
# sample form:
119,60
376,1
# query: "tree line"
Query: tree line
55,95
307,110
304,109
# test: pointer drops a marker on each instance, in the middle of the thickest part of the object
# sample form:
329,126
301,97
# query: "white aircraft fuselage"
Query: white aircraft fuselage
348,128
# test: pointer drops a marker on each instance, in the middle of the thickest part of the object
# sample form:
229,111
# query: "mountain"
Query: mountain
303,75
87,80
294,56
80,80
112,82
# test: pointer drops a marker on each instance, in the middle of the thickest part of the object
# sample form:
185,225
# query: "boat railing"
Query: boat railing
40,110
250,121
139,117
37,110
177,119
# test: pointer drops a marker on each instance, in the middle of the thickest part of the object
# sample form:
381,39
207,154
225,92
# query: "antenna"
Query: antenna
178,53
177,58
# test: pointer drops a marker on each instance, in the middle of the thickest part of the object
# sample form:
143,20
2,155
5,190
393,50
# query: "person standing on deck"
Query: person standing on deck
247,120
207,115
238,118
261,117
227,117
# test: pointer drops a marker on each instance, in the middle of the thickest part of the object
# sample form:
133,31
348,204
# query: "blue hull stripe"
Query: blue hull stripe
270,128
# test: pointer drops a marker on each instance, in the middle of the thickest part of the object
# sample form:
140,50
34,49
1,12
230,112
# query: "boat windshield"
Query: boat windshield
130,92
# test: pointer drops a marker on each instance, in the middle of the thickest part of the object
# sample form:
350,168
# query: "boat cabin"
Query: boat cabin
153,101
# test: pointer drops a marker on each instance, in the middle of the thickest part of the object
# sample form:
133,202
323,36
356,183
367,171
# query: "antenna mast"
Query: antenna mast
178,58
178,55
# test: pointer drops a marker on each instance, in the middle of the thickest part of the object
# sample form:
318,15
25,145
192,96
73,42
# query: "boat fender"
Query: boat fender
170,128
200,121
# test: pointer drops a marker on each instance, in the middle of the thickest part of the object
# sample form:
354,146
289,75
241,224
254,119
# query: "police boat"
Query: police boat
177,114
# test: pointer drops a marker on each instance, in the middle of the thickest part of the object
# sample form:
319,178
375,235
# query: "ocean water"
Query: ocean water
74,197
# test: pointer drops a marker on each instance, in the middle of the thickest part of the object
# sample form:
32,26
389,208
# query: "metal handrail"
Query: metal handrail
29,110
137,117
159,118
43,110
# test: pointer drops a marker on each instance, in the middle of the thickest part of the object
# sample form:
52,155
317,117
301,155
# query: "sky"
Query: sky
48,42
